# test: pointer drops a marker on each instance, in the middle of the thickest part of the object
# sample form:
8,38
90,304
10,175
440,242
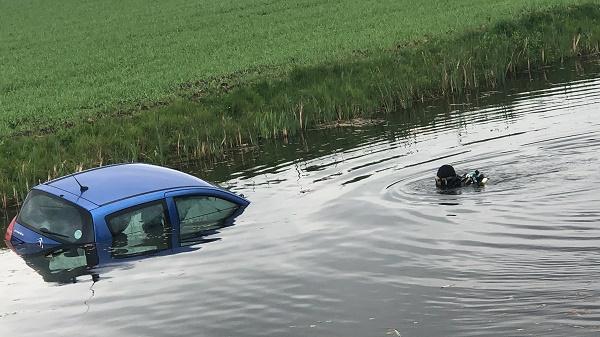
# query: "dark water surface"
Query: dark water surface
347,236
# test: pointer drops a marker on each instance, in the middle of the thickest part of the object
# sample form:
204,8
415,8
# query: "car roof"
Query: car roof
111,183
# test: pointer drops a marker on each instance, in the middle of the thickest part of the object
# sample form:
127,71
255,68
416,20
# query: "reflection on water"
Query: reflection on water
348,236
66,263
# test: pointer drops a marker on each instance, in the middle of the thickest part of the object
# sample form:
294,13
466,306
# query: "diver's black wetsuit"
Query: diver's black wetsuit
447,178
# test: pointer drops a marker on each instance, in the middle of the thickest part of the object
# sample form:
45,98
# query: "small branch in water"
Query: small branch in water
93,292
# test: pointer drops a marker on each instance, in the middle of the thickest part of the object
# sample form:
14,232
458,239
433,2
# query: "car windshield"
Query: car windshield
56,218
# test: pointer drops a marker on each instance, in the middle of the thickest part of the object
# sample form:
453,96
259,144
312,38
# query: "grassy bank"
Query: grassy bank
213,116
68,59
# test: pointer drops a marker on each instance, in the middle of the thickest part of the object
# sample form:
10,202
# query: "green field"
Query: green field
63,60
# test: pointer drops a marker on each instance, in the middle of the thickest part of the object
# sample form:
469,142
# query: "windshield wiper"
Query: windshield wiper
45,231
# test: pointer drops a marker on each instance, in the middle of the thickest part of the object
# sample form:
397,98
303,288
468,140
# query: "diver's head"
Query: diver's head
443,173
446,171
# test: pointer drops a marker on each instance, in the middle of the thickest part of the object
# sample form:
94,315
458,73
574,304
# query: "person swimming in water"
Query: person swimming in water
446,177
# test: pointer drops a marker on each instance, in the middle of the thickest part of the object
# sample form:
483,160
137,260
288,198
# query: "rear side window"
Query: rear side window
55,217
199,214
141,229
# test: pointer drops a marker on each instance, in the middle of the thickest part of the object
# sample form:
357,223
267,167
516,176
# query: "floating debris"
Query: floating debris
393,332
353,123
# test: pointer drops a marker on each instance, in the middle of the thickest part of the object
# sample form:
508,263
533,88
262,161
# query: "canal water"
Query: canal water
348,236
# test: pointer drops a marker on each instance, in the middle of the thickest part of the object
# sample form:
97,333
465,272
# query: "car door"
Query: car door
197,213
140,229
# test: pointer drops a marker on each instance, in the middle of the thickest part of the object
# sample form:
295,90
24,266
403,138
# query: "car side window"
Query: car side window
200,214
140,229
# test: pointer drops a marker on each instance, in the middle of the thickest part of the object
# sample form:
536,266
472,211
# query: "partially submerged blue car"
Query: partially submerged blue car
132,209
